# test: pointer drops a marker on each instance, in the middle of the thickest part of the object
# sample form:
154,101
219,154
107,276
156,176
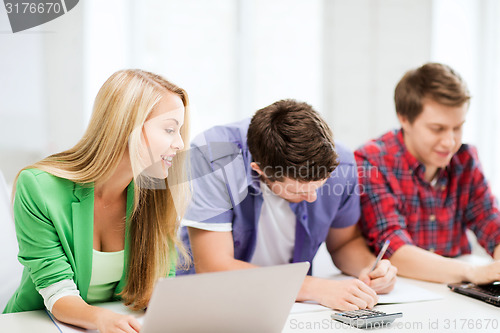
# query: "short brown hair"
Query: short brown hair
434,81
289,139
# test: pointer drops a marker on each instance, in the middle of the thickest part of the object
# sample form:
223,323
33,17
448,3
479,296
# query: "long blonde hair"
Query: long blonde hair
122,106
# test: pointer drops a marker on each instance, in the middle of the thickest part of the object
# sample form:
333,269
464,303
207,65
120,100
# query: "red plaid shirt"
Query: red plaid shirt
398,204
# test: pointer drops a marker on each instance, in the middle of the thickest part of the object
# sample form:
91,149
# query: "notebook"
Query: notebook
489,293
248,300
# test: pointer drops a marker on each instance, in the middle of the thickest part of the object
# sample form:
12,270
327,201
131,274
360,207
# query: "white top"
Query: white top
275,231
54,292
107,269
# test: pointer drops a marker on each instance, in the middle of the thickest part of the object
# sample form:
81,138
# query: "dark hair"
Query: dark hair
289,139
437,82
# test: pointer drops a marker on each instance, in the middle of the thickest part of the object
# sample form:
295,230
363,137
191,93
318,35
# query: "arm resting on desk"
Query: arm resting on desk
214,251
417,263
73,310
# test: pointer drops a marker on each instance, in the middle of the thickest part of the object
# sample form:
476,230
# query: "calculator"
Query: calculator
366,318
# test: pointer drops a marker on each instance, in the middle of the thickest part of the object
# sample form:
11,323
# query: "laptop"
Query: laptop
489,293
248,300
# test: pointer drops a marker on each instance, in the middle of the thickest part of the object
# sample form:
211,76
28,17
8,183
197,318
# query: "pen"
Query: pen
381,254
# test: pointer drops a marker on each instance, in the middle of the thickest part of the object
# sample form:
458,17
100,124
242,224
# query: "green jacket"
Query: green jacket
54,220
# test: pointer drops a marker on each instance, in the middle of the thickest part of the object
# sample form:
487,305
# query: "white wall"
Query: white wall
107,45
23,126
41,103
368,46
466,35
235,56
193,43
232,57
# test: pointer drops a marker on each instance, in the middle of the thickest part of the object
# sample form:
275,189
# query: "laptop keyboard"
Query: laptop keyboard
490,289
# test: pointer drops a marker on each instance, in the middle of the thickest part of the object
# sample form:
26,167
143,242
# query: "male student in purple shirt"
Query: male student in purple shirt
269,191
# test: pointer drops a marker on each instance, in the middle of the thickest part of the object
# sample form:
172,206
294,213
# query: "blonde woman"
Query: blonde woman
98,222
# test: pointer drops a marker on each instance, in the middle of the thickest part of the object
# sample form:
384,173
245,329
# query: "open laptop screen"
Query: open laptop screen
248,300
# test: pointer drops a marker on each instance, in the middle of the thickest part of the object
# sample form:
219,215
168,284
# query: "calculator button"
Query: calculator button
365,318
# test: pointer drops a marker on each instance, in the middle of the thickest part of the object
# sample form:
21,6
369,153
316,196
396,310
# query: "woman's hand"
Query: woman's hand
110,322
75,311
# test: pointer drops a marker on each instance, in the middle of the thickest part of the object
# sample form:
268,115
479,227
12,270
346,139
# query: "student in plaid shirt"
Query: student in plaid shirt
422,188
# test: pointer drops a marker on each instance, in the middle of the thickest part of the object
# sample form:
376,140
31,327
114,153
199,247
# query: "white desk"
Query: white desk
30,321
452,313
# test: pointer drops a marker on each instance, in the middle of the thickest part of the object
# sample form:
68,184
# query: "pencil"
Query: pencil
381,254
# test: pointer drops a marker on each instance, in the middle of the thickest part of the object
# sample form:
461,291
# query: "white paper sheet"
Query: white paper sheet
405,292
303,307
